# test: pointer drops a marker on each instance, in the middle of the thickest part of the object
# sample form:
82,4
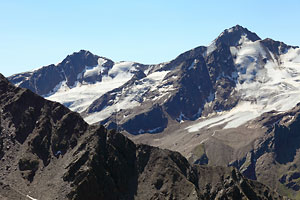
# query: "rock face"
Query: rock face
49,152
274,159
44,80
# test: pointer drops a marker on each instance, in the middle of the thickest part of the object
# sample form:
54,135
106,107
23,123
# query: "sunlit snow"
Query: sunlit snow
82,95
262,86
129,98
96,70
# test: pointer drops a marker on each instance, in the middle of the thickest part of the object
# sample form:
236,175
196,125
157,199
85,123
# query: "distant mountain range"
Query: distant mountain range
233,102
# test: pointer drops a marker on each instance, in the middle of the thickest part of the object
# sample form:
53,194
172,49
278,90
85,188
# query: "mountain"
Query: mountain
206,80
79,79
214,104
49,152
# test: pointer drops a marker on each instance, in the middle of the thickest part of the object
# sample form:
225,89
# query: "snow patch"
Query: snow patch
130,97
79,97
30,197
234,118
101,61
181,118
193,65
92,71
154,130
121,68
211,48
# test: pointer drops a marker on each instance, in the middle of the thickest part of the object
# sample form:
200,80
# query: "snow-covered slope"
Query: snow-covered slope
82,94
265,82
132,96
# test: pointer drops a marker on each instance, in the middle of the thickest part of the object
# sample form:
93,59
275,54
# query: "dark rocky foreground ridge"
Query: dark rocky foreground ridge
49,152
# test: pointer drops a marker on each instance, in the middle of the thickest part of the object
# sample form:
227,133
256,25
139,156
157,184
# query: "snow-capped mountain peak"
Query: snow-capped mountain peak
237,71
266,81
233,35
88,88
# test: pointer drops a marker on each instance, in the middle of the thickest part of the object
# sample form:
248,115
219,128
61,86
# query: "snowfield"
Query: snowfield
264,84
131,97
79,97
82,95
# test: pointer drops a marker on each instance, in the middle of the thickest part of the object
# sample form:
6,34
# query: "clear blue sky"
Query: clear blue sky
37,33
